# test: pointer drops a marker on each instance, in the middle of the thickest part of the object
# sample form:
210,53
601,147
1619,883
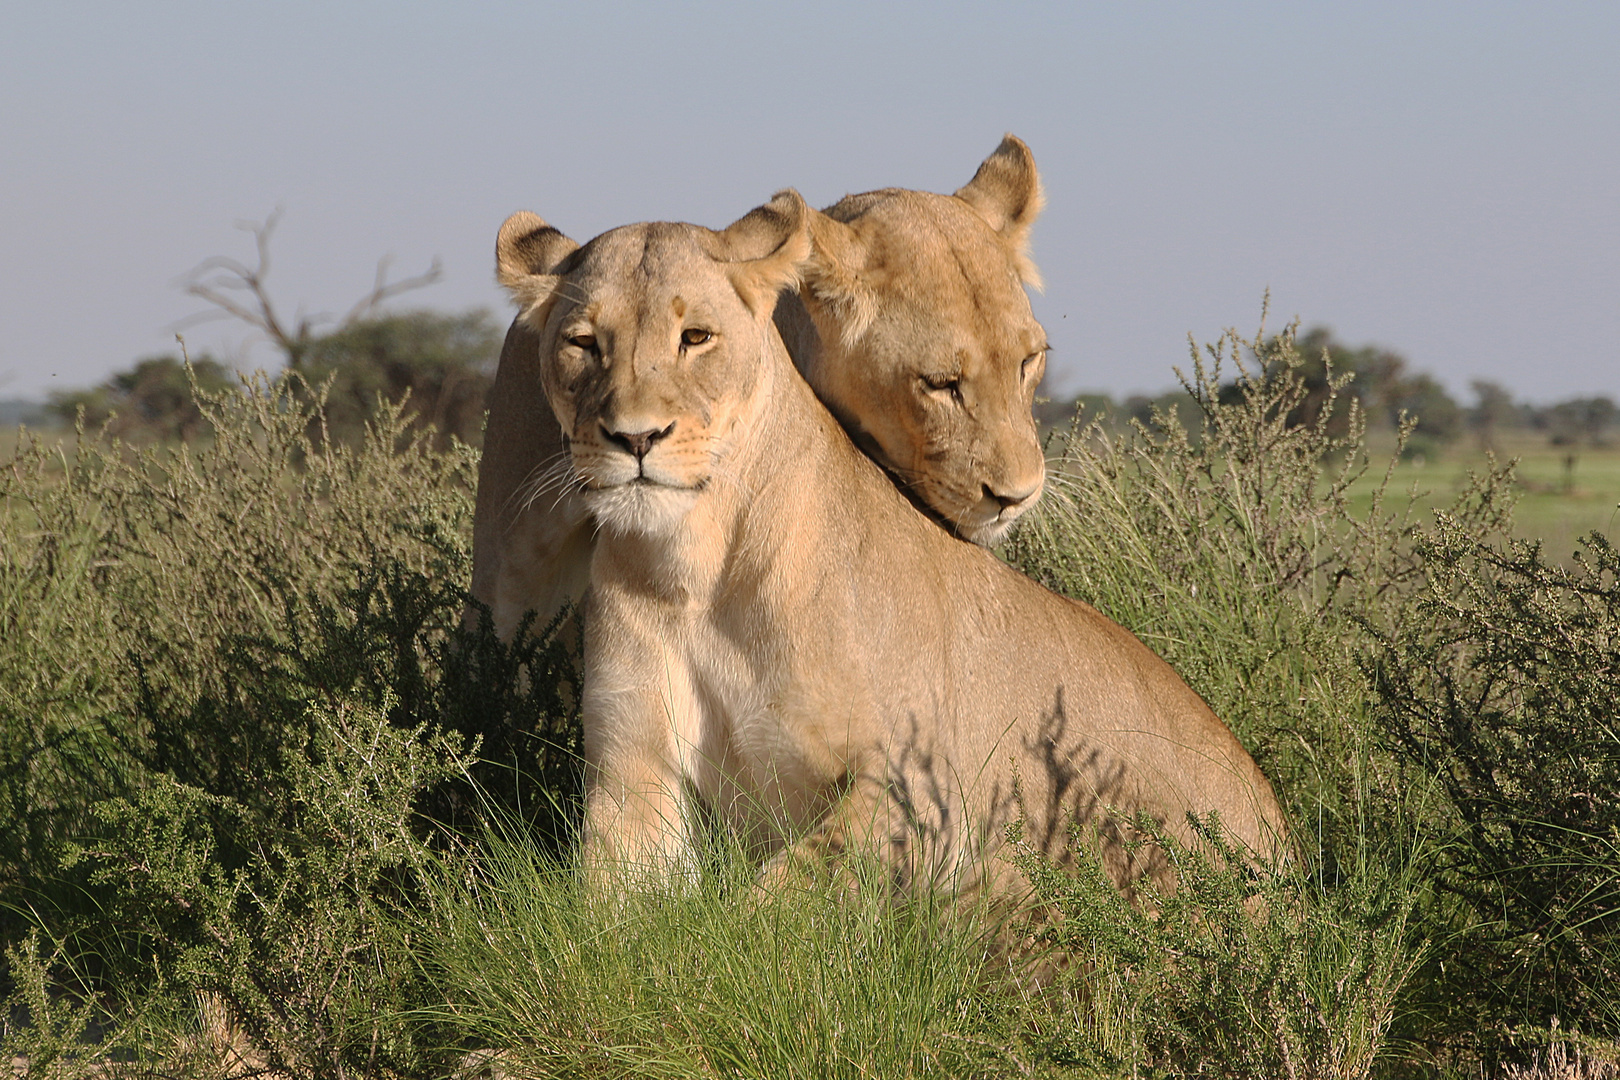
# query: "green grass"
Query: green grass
716,979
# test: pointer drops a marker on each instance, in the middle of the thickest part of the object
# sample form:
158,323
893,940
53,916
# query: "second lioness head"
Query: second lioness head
929,353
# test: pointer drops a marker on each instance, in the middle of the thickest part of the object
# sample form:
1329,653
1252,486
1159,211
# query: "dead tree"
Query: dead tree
238,291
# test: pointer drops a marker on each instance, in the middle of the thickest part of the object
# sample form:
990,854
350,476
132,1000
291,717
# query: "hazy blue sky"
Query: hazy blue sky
1442,179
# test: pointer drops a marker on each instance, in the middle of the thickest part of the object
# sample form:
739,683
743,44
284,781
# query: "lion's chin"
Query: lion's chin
989,529
988,534
641,508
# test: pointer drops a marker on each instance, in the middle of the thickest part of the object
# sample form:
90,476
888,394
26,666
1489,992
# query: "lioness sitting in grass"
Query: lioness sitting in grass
779,640
912,324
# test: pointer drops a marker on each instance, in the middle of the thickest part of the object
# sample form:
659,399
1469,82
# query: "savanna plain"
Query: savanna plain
265,810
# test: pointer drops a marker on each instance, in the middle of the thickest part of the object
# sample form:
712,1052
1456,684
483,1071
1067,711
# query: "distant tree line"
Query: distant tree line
151,402
1384,386
438,365
14,411
441,365
445,363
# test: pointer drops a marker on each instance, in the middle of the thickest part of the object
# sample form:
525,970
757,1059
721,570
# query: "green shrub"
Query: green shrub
280,909
126,575
234,701
1501,685
1239,971
43,1028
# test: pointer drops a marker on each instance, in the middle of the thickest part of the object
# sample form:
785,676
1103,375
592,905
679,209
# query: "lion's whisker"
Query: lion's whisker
533,477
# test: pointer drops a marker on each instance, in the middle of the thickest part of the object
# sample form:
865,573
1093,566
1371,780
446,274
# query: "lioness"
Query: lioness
912,324
778,637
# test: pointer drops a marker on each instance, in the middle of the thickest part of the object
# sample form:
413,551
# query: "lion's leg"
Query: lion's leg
864,834
638,824
911,821
640,717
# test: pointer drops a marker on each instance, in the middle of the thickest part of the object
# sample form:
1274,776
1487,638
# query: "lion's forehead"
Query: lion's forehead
651,260
947,276
939,232
966,341
646,242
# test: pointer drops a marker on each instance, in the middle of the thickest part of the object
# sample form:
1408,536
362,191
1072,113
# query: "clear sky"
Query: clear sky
1441,179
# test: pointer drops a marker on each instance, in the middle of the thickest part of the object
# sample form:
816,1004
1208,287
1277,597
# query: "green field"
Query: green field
1555,504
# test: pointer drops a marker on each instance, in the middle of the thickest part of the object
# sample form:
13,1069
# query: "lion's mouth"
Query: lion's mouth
642,504
987,533
988,528
643,482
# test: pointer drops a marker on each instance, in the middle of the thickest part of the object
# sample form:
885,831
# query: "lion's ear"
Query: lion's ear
766,250
528,254
1006,192
837,258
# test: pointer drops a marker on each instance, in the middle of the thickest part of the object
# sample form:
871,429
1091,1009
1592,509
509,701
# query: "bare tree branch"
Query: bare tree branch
383,290
216,278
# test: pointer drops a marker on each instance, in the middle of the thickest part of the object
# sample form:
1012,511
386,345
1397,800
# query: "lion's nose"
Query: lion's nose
638,442
1009,499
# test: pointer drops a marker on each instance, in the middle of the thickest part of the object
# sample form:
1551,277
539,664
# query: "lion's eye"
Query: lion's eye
947,384
693,336
1029,362
583,341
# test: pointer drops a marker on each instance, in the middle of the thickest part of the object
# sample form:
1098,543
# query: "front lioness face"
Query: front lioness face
650,339
646,377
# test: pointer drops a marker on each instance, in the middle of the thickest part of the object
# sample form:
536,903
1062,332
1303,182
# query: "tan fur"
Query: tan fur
779,639
901,285
925,346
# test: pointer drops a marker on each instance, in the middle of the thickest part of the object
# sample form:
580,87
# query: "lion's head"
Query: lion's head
929,353
649,343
